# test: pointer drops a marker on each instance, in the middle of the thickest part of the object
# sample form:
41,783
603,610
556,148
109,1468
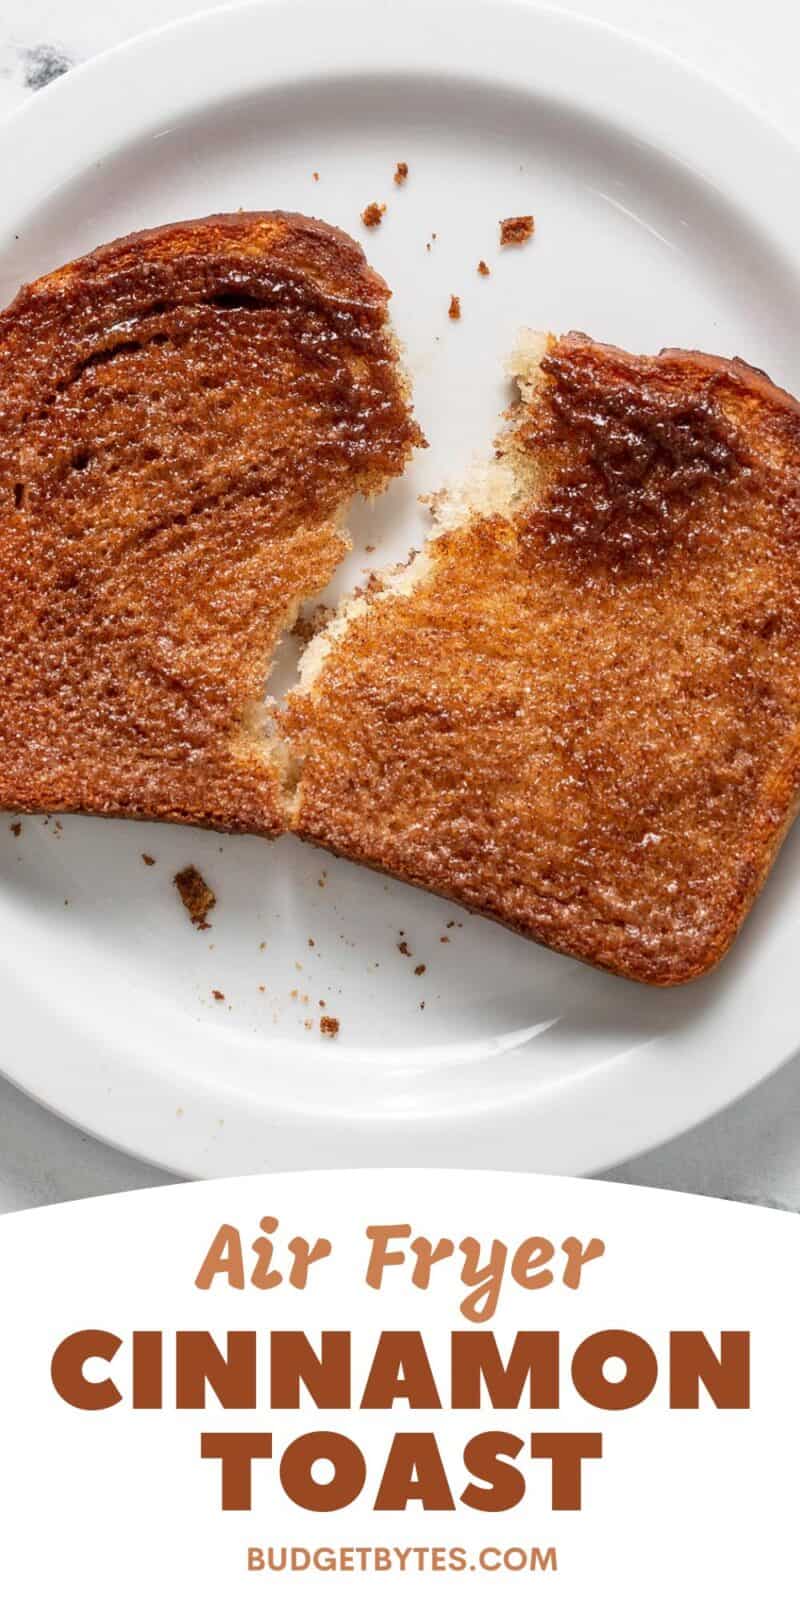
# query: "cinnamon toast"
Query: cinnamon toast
578,710
184,416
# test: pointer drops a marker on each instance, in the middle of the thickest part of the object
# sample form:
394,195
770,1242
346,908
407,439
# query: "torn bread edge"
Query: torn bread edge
491,488
259,730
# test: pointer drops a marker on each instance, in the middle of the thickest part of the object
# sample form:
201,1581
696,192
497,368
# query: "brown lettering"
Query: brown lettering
326,1377
577,1258
199,1361
400,1371
147,1371
380,1255
533,1359
237,1452
414,1471
349,1471
566,1451
638,1381
726,1377
66,1370
224,1258
486,1457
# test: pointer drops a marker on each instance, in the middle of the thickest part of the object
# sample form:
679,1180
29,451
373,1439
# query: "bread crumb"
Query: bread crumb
306,627
329,1026
454,312
16,828
293,994
418,971
308,1024
444,939
263,944
315,176
372,215
218,995
516,230
422,1005
403,948
401,172
311,944
149,861
195,894
483,269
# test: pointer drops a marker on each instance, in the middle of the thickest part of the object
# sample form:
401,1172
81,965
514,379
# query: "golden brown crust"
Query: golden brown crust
183,415
584,720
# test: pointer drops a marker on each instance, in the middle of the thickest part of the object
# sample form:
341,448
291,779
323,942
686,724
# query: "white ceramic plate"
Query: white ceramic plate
665,215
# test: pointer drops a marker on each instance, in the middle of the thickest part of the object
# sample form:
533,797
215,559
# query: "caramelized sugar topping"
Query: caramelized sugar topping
629,456
585,719
182,416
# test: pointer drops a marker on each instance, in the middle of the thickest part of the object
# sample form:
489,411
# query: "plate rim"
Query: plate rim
120,1099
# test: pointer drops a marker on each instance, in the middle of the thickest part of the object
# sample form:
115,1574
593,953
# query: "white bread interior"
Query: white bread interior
490,488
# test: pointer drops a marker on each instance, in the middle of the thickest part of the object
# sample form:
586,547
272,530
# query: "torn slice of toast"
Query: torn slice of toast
578,710
184,416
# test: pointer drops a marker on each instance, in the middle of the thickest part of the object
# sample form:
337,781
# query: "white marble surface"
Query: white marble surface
751,1151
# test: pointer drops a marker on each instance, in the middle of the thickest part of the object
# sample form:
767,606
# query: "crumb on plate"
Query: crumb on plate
516,230
483,269
401,172
195,894
149,861
373,214
329,1026
454,311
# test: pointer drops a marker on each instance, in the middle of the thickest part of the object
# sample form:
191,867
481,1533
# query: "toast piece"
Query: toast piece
578,710
184,416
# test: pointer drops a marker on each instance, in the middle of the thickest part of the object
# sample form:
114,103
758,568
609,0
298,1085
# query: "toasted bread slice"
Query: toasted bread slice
578,710
184,415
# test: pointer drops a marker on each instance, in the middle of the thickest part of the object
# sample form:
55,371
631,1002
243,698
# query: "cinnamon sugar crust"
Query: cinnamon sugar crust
184,415
581,714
